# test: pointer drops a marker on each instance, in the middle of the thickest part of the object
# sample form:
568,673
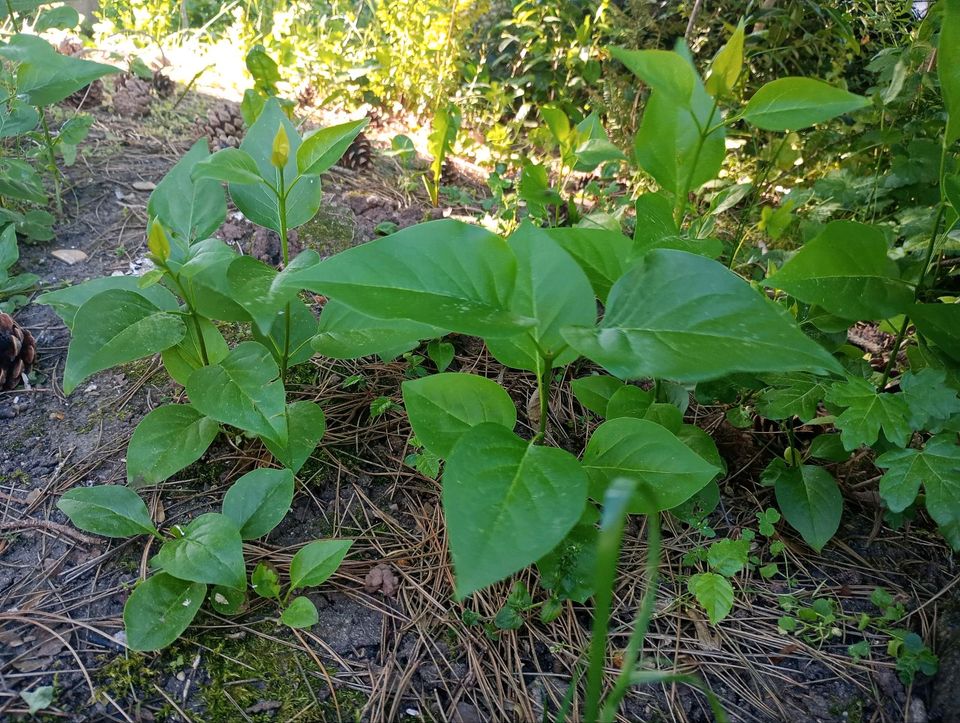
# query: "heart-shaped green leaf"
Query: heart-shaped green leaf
810,501
300,613
168,439
507,503
316,562
645,451
258,501
108,510
441,407
243,390
306,425
789,104
159,610
209,550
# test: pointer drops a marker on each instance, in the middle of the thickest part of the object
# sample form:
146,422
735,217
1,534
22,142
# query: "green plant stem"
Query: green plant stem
754,200
681,207
194,316
12,16
928,257
284,247
543,390
633,653
51,158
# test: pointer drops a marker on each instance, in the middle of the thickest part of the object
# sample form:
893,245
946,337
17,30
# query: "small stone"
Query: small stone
69,256
56,416
144,185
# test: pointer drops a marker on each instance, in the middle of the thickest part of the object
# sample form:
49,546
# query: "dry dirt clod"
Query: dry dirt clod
17,351
381,579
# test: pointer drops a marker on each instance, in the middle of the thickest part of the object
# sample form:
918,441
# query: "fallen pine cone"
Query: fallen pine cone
17,351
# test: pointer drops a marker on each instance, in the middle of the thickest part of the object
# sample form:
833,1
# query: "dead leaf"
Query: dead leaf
69,256
381,579
144,185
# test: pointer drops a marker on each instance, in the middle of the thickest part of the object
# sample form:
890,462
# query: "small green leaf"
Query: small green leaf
442,407
828,447
66,302
596,391
159,610
793,395
114,327
317,561
728,557
300,613
441,354
790,104
811,502
191,210
209,550
867,412
322,148
306,425
714,592
629,401
227,601
727,65
166,441
265,581
507,503
258,501
230,165
108,510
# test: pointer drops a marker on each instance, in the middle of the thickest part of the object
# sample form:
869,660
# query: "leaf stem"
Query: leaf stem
543,389
51,158
12,16
754,199
194,316
284,247
681,207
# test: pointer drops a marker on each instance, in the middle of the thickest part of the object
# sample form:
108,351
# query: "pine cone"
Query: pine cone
89,97
131,96
359,155
223,126
17,351
306,96
163,84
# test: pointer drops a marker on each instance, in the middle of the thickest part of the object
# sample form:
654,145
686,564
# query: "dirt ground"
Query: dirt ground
390,652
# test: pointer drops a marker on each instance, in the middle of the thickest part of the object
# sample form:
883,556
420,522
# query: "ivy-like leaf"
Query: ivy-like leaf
794,395
867,412
931,402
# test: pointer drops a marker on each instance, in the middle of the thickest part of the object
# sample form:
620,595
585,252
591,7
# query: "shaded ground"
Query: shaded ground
381,654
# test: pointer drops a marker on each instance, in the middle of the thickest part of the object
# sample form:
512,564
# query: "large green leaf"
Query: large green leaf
791,395
108,510
948,66
316,562
193,210
442,407
114,327
602,254
507,503
846,271
44,76
209,550
789,104
938,467
17,117
668,145
256,201
727,65
66,302
259,500
444,273
931,402
306,425
243,390
540,264
166,441
810,501
663,70
867,412
680,316
205,282
645,451
345,333
159,610
940,323
322,148
230,165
